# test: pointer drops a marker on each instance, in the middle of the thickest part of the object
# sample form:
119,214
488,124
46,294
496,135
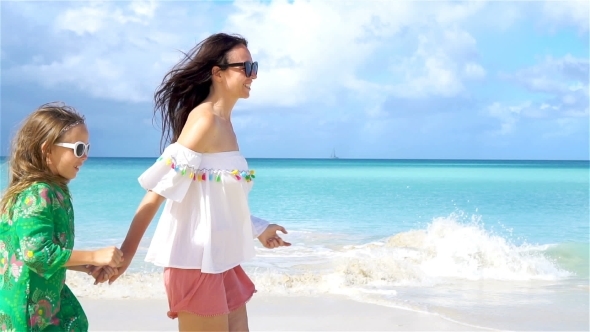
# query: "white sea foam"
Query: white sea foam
444,250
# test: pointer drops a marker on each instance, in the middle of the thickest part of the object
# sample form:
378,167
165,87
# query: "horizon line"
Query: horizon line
340,158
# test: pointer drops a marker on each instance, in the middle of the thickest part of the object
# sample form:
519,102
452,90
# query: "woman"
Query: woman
206,230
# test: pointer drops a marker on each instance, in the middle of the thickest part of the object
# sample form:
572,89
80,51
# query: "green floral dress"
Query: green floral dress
34,246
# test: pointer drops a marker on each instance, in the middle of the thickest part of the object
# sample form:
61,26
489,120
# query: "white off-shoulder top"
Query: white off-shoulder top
206,222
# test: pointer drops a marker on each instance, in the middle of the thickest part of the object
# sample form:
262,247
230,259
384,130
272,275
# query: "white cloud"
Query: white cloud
574,13
83,20
356,73
306,48
122,49
143,8
565,122
508,115
315,50
459,11
565,127
564,79
309,51
474,71
435,68
97,16
554,75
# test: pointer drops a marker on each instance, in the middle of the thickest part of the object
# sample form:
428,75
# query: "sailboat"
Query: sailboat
333,155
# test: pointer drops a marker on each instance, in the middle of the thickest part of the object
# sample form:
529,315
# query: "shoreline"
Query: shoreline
274,313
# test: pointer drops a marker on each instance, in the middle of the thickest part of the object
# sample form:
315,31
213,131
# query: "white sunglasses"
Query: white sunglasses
80,148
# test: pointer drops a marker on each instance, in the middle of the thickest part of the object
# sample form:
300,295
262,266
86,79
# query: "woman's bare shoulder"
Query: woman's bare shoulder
199,129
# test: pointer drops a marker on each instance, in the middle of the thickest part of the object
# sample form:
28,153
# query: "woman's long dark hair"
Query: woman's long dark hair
188,83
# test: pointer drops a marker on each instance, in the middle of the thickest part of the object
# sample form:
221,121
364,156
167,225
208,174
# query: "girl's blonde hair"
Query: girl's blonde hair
27,163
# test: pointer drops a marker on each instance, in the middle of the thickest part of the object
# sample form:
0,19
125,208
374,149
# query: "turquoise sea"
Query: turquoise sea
499,244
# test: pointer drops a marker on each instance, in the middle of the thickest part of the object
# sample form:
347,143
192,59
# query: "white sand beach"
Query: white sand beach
272,313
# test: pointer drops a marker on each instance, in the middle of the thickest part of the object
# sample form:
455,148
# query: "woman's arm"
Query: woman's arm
143,217
194,136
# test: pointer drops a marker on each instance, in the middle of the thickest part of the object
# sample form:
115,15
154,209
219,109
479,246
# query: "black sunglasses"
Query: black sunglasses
251,68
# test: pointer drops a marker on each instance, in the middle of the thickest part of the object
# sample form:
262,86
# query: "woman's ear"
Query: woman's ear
216,73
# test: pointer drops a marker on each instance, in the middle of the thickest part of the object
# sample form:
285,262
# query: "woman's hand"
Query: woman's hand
270,239
103,273
124,265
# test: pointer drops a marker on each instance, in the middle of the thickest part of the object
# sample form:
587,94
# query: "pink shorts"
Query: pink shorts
206,294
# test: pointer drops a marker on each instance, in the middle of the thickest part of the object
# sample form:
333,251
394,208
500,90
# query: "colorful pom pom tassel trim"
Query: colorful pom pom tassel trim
207,174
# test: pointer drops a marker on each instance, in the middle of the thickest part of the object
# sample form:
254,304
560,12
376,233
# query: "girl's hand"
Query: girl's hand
110,256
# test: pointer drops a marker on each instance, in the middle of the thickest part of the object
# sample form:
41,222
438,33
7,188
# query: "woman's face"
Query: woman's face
234,79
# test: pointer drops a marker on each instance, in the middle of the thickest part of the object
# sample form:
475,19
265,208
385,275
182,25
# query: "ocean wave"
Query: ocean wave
443,251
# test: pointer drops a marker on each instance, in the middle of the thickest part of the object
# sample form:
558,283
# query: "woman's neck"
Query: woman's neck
222,105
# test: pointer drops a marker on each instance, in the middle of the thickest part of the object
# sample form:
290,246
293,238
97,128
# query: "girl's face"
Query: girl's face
62,160
234,78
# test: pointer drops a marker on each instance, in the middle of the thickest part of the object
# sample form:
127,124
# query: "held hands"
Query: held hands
107,261
112,265
110,256
270,239
129,254
101,273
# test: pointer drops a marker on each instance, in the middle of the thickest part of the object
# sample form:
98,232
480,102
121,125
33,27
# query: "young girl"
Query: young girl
37,225
206,230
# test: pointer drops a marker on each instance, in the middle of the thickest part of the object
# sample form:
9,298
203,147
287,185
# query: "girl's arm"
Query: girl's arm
110,256
80,268
34,223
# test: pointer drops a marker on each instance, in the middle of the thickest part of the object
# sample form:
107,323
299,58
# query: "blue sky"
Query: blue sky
371,79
